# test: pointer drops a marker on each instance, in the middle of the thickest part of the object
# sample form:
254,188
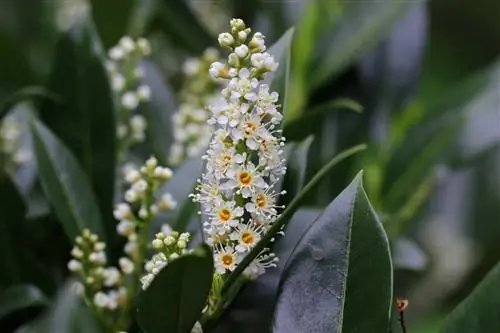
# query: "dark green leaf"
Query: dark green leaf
252,310
12,210
158,112
20,297
329,267
358,28
65,184
85,121
68,313
288,213
174,300
176,20
479,311
22,95
112,19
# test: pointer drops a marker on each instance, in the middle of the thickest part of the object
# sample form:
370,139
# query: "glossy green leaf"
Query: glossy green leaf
358,27
65,184
112,20
253,308
479,311
178,22
85,120
329,269
68,313
287,214
174,300
20,297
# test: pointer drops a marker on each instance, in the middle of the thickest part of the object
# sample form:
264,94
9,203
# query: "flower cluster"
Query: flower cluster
170,246
103,286
244,160
144,183
10,143
191,132
125,73
107,289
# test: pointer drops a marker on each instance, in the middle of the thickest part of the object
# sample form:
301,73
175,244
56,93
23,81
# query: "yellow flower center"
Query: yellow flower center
224,215
245,178
261,201
247,237
227,259
250,128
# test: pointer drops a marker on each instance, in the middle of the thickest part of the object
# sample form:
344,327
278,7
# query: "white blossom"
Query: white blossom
244,160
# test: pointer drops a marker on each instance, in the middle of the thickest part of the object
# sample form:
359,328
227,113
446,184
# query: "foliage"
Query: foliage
76,94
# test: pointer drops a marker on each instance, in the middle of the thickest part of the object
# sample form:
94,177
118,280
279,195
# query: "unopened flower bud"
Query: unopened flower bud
226,40
157,244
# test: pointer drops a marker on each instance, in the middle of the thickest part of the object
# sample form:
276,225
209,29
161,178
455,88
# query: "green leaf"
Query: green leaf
26,93
85,121
158,112
65,184
281,50
68,313
177,21
12,210
434,138
174,300
288,213
358,28
479,311
20,297
253,308
112,20
297,167
329,269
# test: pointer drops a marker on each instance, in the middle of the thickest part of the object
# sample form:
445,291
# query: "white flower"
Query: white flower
129,100
217,70
127,44
76,252
246,236
138,123
241,51
74,265
132,175
167,202
122,211
144,93
258,43
101,300
244,160
111,276
144,46
126,265
125,228
117,82
226,259
226,39
116,53
98,257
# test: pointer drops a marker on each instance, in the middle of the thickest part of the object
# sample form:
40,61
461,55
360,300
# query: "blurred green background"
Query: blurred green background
427,75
